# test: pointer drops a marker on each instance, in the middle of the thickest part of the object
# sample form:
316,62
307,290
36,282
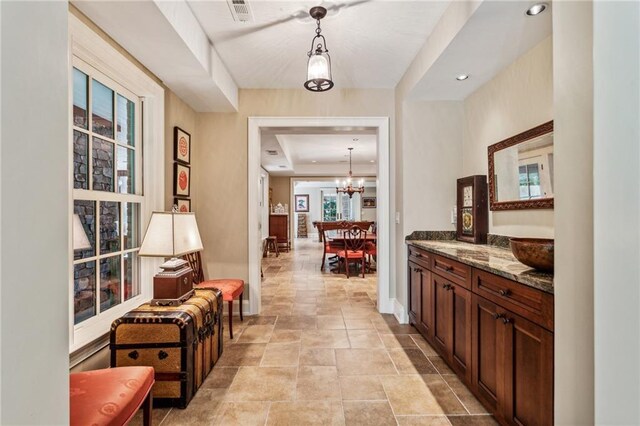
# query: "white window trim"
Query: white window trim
88,46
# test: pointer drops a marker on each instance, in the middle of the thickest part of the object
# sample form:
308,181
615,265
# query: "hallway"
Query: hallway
320,353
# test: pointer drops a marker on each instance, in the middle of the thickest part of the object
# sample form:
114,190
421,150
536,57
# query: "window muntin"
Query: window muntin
107,159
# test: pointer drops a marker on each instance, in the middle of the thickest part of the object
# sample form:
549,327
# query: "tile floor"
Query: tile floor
321,354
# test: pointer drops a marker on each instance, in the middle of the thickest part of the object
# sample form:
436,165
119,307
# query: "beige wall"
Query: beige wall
573,111
281,186
518,98
221,164
178,113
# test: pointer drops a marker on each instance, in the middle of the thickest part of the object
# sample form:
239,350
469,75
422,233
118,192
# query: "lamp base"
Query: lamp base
172,287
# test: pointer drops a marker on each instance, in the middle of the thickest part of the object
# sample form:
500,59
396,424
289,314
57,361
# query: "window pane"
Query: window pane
86,211
131,230
131,276
84,291
126,120
126,165
109,282
102,109
80,96
80,160
102,156
109,227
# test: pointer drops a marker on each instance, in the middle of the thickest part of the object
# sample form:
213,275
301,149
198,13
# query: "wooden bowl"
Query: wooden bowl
534,252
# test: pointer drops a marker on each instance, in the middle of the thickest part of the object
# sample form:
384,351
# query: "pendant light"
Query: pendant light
347,185
319,64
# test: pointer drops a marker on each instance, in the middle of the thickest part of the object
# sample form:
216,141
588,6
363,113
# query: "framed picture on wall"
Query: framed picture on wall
182,146
368,202
302,203
181,180
184,204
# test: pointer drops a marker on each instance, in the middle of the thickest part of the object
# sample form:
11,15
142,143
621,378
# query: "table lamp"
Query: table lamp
170,235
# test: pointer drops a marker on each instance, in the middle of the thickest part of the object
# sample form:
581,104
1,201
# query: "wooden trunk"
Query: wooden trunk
182,343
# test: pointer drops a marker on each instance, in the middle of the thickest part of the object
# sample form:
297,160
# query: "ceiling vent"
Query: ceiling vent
272,152
282,167
240,10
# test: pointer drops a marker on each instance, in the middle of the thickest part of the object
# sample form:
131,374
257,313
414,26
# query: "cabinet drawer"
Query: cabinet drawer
532,304
457,272
419,256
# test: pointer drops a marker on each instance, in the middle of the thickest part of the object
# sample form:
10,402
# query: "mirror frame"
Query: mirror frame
544,203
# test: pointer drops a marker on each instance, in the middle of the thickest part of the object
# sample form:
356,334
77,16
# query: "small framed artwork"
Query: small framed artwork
182,146
181,180
368,202
184,204
302,203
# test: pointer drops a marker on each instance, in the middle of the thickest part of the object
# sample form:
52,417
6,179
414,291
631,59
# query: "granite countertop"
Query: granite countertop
499,261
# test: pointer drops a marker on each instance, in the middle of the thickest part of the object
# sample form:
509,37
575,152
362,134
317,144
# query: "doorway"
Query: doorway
383,217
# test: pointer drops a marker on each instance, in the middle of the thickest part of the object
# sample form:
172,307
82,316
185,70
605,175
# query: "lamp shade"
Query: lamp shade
80,239
171,235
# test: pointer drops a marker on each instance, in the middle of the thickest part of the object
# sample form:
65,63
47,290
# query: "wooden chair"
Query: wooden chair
354,241
230,287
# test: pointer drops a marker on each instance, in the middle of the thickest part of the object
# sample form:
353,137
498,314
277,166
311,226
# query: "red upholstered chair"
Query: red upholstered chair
371,250
231,288
329,247
111,396
354,241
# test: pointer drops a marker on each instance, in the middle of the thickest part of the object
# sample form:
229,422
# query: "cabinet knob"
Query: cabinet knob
417,254
448,268
506,320
497,316
504,292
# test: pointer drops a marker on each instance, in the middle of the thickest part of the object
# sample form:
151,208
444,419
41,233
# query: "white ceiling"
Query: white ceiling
495,36
371,43
313,154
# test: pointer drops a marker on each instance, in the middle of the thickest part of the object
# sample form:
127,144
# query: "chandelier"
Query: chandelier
319,64
347,185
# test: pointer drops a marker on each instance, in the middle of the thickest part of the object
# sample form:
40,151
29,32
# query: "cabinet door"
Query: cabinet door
487,351
528,372
426,304
441,315
460,342
415,296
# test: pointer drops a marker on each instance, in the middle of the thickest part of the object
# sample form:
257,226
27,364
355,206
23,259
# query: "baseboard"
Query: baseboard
399,312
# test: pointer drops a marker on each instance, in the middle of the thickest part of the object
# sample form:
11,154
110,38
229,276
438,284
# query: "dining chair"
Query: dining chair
354,241
330,247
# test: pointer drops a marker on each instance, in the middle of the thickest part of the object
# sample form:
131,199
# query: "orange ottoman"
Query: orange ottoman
111,396
230,288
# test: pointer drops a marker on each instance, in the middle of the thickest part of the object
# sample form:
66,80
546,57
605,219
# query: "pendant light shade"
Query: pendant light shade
319,64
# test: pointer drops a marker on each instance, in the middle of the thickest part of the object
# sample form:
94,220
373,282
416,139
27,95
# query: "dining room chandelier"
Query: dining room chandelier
319,64
347,184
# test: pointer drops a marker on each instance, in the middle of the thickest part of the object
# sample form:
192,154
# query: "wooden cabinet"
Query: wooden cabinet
279,227
452,324
496,334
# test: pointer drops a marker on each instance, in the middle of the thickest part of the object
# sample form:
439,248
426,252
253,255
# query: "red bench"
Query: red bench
111,396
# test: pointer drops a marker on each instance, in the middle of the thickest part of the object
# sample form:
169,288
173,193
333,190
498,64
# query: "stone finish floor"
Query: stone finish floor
321,354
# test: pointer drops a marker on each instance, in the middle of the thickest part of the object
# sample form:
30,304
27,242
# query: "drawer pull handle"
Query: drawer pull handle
447,286
417,254
448,268
506,320
505,293
497,316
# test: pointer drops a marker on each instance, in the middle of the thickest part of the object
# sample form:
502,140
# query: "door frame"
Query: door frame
386,249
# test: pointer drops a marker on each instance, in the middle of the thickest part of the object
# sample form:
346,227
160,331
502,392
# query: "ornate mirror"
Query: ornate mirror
521,170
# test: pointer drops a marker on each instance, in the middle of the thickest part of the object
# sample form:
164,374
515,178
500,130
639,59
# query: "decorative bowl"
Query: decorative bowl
534,252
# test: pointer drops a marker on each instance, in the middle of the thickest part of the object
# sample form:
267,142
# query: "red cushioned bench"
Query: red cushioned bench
110,397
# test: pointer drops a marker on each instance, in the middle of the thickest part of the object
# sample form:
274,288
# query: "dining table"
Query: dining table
338,236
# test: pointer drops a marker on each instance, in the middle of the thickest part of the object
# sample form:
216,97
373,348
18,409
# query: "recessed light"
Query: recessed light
372,161
462,77
313,161
536,9
356,139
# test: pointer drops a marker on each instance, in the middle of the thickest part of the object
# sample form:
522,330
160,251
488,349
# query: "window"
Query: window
329,207
529,181
107,193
